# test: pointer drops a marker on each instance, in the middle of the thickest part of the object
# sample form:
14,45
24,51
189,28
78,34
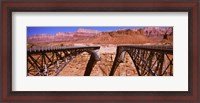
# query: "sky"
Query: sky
54,30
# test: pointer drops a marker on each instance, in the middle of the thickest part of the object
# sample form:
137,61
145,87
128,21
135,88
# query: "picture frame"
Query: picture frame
190,6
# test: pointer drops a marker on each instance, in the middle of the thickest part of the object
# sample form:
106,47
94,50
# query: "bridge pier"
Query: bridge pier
119,58
91,63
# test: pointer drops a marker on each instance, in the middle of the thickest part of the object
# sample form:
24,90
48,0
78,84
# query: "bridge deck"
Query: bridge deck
156,48
57,48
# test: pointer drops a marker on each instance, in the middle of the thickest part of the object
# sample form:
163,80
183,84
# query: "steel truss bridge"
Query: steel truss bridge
148,60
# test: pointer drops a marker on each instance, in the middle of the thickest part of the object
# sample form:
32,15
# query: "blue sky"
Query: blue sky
54,30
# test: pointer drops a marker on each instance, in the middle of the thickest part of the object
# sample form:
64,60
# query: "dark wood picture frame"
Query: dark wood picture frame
9,6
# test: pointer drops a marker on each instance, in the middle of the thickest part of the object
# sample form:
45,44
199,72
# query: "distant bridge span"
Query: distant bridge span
148,59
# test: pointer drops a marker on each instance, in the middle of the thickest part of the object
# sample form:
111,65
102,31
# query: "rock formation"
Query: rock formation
82,30
124,36
158,31
70,34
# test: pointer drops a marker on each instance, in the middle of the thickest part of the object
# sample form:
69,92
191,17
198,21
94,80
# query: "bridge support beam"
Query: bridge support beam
91,63
119,58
